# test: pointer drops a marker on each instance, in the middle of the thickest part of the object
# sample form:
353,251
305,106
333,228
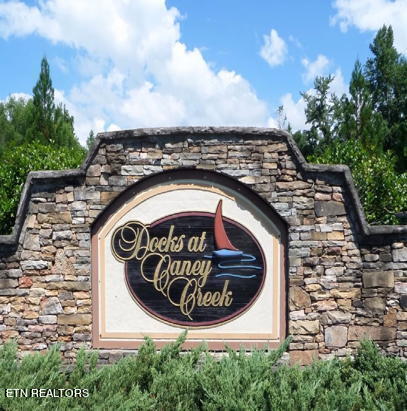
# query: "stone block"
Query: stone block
13,292
335,317
32,242
336,336
334,271
25,282
63,217
390,319
373,279
34,265
132,170
78,205
304,327
358,332
94,170
8,283
325,305
47,319
375,305
62,235
13,273
299,298
69,285
47,208
51,306
117,180
107,196
329,208
318,236
303,357
336,236
400,288
400,254
292,185
351,293
75,319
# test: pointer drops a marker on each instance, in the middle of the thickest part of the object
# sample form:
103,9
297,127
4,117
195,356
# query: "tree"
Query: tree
365,129
386,74
90,140
51,124
44,106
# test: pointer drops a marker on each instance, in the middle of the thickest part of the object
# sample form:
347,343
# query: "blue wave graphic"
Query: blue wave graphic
235,275
246,258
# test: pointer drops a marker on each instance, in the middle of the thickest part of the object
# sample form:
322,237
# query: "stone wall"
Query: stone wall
346,279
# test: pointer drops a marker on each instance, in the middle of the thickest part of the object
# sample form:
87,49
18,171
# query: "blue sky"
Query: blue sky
120,64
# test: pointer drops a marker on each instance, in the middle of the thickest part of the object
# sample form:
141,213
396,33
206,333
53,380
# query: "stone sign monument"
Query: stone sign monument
225,232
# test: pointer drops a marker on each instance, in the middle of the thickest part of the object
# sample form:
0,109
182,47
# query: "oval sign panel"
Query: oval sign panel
194,269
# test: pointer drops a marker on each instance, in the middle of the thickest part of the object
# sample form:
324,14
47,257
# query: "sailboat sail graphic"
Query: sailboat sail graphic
224,248
226,254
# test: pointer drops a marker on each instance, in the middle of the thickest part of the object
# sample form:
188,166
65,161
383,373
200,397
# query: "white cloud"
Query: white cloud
295,41
370,15
315,68
274,49
135,71
61,64
18,96
294,110
338,85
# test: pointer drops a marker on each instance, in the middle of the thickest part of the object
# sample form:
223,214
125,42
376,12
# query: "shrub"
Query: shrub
195,380
17,162
382,191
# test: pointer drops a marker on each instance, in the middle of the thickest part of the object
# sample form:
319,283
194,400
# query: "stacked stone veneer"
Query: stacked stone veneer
346,280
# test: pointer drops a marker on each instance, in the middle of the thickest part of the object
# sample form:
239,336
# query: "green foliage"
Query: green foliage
34,135
17,162
382,191
15,120
38,119
373,112
51,124
365,129
195,380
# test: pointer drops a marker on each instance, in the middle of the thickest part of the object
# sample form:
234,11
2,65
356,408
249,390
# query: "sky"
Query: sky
122,64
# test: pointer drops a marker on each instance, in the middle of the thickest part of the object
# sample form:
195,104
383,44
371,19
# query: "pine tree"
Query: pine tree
51,124
44,106
90,140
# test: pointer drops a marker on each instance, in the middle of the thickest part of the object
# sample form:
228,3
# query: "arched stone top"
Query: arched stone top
191,175
338,174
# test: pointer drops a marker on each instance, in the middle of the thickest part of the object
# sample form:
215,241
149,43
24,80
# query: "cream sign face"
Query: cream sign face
187,255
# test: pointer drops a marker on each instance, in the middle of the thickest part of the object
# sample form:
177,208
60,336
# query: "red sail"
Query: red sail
221,239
